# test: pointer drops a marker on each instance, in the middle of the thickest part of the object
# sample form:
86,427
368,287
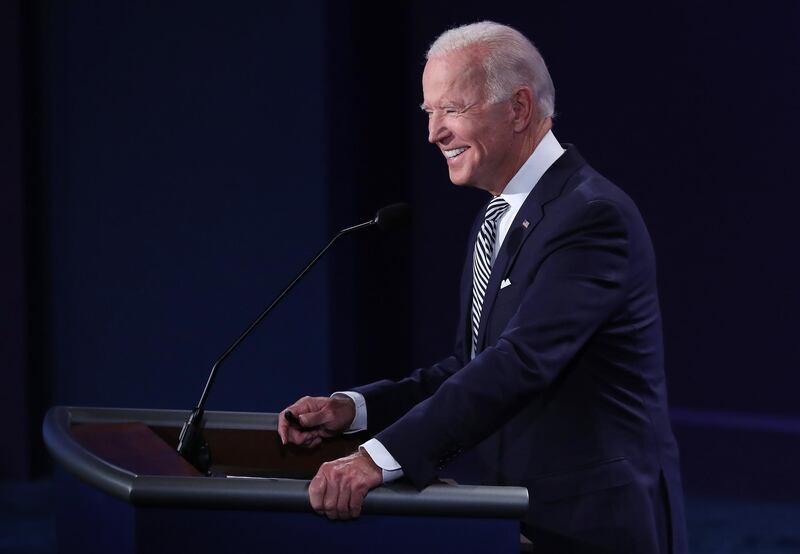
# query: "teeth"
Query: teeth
453,153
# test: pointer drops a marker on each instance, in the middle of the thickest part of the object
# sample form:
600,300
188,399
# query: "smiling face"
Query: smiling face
477,138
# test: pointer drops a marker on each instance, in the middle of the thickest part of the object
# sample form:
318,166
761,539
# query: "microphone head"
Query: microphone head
393,216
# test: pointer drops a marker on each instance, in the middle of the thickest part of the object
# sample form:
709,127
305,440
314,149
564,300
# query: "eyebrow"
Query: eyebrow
447,104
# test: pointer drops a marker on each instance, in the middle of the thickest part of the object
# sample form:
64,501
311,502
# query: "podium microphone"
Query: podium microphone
191,443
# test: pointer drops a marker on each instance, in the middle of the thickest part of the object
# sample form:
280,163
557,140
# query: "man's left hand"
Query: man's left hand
339,488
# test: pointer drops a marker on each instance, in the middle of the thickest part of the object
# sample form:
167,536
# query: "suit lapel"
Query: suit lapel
528,217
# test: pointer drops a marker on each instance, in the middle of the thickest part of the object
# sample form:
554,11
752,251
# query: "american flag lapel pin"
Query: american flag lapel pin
526,223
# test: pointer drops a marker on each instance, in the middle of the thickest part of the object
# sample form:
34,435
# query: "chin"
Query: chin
459,179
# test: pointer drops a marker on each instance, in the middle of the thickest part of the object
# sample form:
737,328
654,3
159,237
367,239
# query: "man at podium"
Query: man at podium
556,380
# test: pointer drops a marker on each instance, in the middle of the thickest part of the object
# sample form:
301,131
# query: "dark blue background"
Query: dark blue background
181,161
187,160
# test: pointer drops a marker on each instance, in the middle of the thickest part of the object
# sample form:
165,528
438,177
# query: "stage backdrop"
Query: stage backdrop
187,162
192,157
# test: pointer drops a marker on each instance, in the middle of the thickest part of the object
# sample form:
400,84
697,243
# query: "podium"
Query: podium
122,488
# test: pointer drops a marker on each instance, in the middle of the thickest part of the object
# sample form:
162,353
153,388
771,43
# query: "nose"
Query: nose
437,130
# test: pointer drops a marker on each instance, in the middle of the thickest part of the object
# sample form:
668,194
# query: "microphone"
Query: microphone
191,443
393,216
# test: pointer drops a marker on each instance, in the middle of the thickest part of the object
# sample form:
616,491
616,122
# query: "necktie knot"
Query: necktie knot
496,208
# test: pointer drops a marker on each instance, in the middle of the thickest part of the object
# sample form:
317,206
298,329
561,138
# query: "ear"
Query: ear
524,106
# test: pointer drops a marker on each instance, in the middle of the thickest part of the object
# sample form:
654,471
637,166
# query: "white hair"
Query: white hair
510,61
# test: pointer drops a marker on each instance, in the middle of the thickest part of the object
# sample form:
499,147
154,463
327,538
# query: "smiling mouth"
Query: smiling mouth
454,153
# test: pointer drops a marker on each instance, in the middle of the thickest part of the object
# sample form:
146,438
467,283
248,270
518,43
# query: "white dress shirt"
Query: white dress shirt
515,193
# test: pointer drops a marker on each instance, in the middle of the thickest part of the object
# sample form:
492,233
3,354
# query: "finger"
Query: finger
282,426
285,427
316,492
314,418
315,443
356,501
331,496
343,501
307,404
301,438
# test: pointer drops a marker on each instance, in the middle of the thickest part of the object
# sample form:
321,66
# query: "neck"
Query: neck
529,143
538,132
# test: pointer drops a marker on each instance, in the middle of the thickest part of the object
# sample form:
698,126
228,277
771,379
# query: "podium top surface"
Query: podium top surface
129,454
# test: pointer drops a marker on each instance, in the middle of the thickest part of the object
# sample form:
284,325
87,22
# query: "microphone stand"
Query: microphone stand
191,442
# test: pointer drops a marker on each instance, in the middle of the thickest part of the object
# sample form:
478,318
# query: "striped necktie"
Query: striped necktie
482,261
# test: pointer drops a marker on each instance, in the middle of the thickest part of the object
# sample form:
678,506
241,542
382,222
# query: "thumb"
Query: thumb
313,419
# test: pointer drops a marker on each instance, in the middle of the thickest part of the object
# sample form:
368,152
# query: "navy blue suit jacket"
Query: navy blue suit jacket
566,394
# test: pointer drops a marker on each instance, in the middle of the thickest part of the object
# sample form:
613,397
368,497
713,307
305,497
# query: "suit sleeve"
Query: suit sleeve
387,400
578,285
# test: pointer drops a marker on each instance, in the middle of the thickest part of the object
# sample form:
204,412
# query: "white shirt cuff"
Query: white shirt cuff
389,466
360,421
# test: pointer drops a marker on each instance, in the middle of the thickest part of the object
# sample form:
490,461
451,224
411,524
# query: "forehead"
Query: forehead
453,76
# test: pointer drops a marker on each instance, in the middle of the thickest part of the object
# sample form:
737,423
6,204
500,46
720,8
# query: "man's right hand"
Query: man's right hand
320,416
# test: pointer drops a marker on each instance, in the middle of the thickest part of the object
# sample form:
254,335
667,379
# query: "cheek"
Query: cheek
467,130
486,140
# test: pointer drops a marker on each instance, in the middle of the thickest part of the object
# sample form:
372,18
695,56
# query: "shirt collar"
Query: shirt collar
544,155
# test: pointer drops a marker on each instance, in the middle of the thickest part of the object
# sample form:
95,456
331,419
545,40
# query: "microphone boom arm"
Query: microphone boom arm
191,443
